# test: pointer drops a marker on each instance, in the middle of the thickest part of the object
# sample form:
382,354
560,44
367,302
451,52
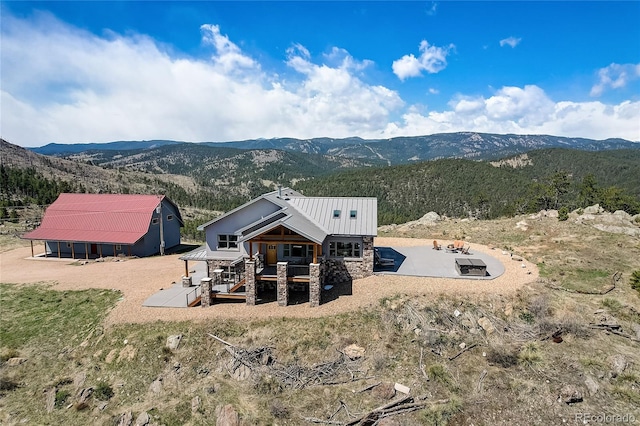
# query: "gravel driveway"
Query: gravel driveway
138,279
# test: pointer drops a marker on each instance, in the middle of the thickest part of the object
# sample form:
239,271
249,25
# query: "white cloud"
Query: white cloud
525,110
615,76
510,41
62,84
432,59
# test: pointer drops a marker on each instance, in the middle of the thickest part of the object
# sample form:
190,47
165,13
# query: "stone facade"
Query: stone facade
283,287
250,283
315,285
205,294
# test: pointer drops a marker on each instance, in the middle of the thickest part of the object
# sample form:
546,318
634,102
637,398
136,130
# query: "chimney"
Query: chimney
279,191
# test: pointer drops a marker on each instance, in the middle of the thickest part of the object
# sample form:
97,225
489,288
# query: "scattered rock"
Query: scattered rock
143,419
354,351
592,385
174,341
595,209
227,416
522,225
384,391
636,328
110,356
241,372
486,325
16,361
462,345
156,386
128,353
79,379
125,419
517,258
570,394
83,398
618,364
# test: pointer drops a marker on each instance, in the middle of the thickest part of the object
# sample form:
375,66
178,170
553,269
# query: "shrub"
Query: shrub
61,398
635,281
563,214
278,410
439,374
103,391
530,355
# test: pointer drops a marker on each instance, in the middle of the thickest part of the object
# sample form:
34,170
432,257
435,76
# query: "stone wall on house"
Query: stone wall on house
339,270
213,264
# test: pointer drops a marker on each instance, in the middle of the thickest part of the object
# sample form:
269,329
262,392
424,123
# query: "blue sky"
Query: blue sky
219,71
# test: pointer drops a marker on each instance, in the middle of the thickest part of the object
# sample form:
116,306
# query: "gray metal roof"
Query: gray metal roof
313,217
321,211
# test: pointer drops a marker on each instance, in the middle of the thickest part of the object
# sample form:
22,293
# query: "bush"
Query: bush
61,398
635,281
103,391
563,214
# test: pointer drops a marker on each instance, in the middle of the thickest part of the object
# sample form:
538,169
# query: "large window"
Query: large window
344,249
227,242
297,250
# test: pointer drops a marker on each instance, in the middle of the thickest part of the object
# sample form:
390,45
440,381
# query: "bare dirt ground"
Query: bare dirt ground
138,279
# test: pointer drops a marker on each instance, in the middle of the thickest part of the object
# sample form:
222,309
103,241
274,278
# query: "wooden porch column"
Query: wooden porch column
73,250
114,250
45,249
250,249
315,253
31,241
86,251
100,249
186,268
59,250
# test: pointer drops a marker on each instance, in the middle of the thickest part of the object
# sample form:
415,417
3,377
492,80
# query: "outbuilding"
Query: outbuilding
84,226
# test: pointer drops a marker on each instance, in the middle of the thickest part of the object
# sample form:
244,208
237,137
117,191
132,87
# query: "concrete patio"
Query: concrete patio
424,261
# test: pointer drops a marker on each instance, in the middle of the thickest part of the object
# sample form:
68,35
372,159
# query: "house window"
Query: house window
297,250
227,242
344,249
229,274
170,217
154,221
118,247
68,245
353,214
336,214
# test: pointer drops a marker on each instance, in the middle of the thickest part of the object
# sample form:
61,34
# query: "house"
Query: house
96,225
284,241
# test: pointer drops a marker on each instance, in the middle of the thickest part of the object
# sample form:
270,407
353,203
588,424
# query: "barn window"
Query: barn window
154,221
170,217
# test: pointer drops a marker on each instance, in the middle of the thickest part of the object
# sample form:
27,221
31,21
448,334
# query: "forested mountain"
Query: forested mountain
399,150
545,179
219,178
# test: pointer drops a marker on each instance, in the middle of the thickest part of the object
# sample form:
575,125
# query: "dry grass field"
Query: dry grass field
548,349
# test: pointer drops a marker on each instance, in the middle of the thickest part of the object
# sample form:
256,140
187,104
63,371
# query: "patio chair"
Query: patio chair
436,246
465,249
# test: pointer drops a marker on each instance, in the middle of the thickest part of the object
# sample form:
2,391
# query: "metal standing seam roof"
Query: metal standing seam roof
313,217
321,211
97,218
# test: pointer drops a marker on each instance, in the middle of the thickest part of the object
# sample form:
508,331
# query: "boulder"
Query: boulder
570,394
16,361
227,416
384,391
618,364
354,351
595,209
486,325
592,385
143,419
156,386
125,419
174,341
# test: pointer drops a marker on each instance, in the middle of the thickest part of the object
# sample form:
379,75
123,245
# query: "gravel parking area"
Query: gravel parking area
138,279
